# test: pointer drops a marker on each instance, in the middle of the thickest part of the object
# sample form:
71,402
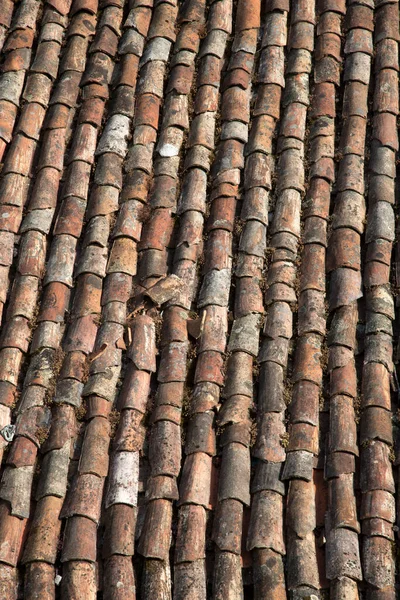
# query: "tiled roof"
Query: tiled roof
198,268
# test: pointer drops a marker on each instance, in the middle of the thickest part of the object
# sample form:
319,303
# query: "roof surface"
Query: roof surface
198,396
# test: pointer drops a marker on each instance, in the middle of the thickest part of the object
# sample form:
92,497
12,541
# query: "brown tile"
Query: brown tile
209,368
22,453
191,534
8,582
228,525
135,389
3,146
55,302
94,457
385,23
6,13
378,504
92,111
268,573
155,538
175,325
235,105
129,220
62,6
376,273
376,469
106,41
195,486
376,424
120,530
70,218
84,144
12,533
79,577
201,435
142,351
324,100
329,22
248,297
206,99
119,579
227,575
349,563
378,551
170,393
123,257
384,130
359,16
19,38
162,487
155,574
117,287
74,58
47,59
79,540
20,158
358,40
269,436
8,115
95,90
87,298
385,98
271,387
303,436
158,230
45,189
32,421
84,497
7,393
39,580
81,335
96,406
165,450
63,427
344,250
44,531
345,287
357,68
387,57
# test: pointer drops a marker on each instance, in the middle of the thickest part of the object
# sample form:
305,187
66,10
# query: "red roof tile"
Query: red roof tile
196,312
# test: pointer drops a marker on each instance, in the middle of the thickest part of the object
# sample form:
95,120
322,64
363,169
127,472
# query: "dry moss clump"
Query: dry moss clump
114,418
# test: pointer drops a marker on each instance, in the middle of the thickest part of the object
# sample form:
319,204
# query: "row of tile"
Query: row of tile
103,280
189,573
343,263
121,498
306,494
212,370
345,285
267,542
163,453
376,437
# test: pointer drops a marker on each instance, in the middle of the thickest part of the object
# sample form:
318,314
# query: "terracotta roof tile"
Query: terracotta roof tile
196,276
